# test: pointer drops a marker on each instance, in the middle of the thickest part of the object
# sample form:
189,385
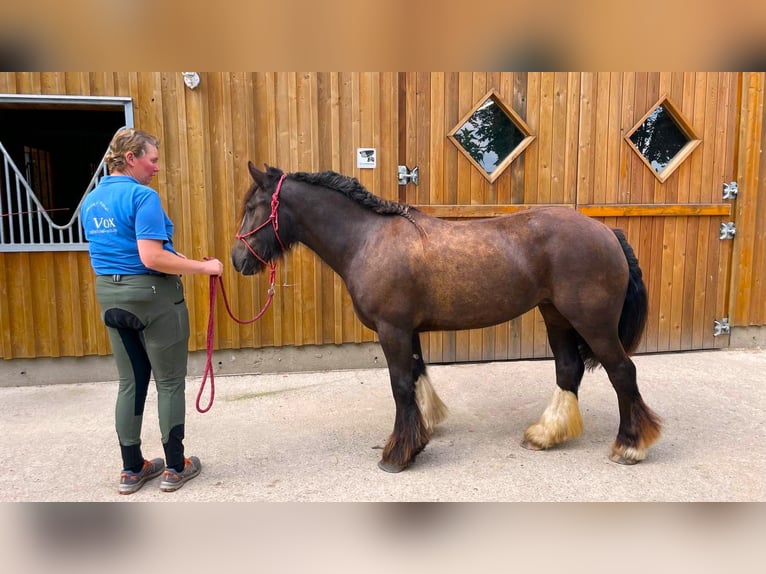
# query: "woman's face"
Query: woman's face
143,168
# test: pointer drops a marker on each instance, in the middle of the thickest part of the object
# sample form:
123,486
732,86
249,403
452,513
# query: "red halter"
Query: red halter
215,280
274,221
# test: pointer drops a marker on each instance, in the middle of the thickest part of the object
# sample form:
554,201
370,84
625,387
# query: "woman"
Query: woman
139,289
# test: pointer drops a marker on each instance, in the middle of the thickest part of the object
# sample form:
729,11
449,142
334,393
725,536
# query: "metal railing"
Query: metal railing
25,224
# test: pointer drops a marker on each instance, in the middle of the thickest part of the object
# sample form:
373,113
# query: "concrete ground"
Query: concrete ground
317,436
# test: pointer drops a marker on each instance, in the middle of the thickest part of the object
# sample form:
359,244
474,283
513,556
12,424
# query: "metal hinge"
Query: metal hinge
406,176
721,327
728,230
730,190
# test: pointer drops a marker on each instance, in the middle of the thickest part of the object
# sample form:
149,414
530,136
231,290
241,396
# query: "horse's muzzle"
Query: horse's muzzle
244,263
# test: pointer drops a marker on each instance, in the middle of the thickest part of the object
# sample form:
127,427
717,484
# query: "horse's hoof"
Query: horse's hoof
619,459
627,455
390,467
529,445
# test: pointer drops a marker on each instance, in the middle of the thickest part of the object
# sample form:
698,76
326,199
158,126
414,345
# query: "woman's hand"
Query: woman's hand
213,267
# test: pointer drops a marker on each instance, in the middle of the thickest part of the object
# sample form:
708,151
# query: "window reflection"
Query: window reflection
659,139
489,135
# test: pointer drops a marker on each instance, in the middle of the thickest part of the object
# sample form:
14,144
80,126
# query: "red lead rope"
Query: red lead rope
216,280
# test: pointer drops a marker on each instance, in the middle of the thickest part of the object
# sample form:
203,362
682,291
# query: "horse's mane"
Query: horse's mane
351,188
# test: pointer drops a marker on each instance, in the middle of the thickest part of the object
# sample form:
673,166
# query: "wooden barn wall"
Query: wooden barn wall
675,228
579,158
311,122
452,187
748,283
315,121
295,121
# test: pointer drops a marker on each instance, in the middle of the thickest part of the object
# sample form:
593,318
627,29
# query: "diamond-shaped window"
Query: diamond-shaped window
491,136
663,139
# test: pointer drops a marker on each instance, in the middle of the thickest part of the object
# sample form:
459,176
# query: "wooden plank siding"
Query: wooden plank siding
748,292
312,121
673,226
296,121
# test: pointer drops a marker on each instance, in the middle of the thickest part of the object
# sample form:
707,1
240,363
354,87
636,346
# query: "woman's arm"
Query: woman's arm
155,257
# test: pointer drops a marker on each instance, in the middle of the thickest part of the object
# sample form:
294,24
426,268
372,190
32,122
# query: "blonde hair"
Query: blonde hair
125,140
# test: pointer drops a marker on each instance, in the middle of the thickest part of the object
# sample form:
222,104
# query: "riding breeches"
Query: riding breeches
148,324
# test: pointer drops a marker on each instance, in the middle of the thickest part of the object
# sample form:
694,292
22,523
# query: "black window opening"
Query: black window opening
659,139
491,136
57,149
663,139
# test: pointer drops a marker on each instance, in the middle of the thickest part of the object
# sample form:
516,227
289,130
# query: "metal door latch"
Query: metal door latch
721,327
406,176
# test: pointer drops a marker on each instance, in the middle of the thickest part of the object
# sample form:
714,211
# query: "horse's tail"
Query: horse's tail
635,308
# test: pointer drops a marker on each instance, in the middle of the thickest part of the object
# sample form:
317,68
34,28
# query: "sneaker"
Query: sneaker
173,480
130,482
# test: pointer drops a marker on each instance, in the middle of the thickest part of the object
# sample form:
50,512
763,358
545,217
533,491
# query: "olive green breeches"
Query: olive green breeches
148,324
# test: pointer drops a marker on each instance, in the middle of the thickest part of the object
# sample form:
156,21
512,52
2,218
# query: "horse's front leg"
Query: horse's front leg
410,434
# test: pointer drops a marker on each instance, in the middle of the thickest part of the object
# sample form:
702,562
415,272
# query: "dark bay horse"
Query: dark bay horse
408,272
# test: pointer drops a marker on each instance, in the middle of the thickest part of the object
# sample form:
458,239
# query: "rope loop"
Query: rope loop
215,281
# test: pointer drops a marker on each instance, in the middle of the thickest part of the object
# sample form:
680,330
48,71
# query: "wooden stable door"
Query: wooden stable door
647,152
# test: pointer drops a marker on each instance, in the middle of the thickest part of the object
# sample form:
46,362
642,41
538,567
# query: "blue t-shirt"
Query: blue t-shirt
117,213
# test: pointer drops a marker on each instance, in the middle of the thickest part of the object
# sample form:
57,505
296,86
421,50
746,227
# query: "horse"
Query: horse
408,273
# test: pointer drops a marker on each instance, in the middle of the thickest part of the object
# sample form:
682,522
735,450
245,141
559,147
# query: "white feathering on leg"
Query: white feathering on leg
432,409
559,422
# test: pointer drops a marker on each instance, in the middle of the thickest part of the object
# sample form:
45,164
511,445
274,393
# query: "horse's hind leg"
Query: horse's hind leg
639,425
410,434
561,420
432,409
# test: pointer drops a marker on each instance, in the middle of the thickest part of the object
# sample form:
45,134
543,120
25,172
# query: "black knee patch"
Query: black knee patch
122,319
132,341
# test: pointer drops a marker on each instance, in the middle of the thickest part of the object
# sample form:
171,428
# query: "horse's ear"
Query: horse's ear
273,172
254,173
